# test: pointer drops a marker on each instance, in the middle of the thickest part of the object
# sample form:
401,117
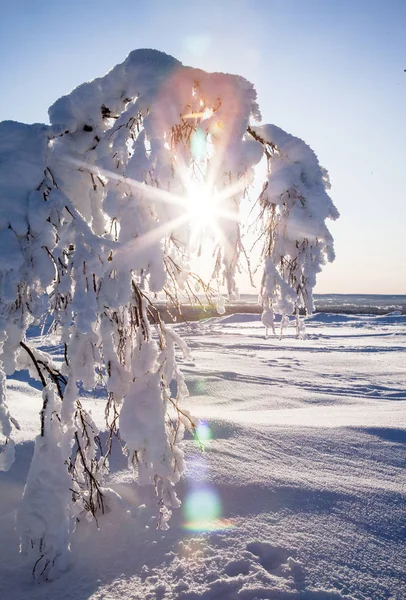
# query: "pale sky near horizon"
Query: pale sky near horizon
330,72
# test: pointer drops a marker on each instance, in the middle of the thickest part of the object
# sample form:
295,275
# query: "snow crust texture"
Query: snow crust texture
300,491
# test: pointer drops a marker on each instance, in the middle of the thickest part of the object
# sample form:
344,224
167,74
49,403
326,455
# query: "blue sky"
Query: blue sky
330,72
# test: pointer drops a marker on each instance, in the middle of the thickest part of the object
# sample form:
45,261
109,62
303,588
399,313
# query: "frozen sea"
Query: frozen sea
300,492
351,303
372,304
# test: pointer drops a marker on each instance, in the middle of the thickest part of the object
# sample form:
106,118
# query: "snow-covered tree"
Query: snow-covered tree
98,216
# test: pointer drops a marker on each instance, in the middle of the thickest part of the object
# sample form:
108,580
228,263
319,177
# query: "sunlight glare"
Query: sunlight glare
201,205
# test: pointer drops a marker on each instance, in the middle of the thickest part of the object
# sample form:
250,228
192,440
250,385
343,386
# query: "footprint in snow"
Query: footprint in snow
270,557
237,567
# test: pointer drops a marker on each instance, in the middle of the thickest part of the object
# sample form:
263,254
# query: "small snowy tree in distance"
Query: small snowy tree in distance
97,216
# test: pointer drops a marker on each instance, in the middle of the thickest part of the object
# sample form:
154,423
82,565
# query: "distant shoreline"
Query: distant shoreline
205,311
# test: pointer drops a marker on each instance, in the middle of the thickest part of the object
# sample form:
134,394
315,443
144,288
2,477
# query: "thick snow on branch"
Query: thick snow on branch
296,205
95,219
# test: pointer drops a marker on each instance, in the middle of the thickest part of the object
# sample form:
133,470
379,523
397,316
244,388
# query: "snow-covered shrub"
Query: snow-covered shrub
95,221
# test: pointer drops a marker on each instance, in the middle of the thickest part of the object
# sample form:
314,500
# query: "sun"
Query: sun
202,206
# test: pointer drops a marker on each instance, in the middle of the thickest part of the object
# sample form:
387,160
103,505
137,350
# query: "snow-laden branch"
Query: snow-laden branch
295,205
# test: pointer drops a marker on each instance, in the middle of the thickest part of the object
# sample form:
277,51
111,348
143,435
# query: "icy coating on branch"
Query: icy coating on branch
96,218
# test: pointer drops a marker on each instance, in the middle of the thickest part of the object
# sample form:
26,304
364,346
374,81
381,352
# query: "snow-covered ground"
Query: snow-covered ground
300,492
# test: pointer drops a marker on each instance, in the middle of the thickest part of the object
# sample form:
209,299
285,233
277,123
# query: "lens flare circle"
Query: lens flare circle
203,433
201,508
